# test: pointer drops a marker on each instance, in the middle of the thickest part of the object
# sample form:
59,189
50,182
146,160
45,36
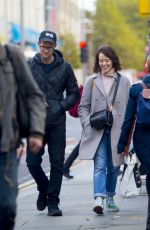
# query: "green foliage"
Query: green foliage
117,23
137,22
70,50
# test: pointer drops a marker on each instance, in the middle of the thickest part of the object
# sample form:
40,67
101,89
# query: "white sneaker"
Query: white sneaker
99,205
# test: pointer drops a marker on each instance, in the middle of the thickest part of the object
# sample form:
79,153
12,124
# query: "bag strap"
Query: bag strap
92,84
116,88
11,55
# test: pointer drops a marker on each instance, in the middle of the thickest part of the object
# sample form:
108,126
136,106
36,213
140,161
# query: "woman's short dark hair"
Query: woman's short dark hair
109,52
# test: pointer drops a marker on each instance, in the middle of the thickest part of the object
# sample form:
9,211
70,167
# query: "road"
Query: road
73,132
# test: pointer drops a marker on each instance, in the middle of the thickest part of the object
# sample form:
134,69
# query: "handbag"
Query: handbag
131,180
104,118
101,119
74,110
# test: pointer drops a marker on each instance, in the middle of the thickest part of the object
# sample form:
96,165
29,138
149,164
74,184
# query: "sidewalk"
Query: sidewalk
76,204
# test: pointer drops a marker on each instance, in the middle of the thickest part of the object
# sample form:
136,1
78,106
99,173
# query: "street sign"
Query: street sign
144,7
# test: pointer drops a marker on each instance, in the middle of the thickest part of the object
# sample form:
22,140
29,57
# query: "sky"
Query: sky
87,4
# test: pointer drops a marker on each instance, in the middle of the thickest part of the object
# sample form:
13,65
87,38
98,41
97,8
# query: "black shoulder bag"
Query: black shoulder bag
104,118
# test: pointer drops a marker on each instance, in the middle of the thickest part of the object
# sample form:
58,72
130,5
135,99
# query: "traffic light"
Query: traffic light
83,52
144,7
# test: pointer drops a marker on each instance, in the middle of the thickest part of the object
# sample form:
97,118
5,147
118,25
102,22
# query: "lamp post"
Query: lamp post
47,13
22,40
83,37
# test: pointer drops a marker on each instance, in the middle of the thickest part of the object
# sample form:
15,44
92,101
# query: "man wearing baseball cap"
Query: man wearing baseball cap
48,36
54,76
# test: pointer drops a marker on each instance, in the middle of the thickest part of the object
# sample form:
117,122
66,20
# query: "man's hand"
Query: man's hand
20,150
35,143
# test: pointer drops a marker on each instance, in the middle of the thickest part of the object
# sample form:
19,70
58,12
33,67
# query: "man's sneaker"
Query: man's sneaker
53,210
110,204
41,201
99,205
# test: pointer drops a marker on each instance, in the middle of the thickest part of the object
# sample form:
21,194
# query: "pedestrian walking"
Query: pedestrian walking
138,112
69,161
105,91
54,77
10,127
75,152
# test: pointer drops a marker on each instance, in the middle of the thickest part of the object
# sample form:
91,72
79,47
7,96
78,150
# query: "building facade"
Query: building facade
31,17
63,17
33,20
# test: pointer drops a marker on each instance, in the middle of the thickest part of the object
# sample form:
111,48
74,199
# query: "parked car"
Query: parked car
130,74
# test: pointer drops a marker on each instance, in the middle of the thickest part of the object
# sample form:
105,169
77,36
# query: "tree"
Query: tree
114,24
70,50
137,22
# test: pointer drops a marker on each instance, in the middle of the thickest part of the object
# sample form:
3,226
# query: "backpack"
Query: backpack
22,110
143,107
74,110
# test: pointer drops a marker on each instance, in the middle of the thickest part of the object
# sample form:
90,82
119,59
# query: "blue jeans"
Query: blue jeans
105,174
8,189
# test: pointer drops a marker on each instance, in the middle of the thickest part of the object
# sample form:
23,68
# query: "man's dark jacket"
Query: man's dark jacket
59,79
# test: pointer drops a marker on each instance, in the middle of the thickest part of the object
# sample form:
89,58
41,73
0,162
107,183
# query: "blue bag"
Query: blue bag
143,107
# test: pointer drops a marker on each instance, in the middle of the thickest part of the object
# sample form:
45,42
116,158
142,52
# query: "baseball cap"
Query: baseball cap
48,36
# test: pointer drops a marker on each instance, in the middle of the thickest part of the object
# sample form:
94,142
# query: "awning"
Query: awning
31,36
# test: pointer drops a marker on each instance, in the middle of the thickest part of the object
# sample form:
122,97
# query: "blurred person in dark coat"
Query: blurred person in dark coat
10,128
54,76
141,135
75,152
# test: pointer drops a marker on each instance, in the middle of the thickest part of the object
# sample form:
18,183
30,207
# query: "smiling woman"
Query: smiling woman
105,63
102,90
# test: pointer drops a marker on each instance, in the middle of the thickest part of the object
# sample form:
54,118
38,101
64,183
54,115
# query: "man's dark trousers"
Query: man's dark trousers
55,138
8,189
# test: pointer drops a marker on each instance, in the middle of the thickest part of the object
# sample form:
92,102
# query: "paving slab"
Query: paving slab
77,204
